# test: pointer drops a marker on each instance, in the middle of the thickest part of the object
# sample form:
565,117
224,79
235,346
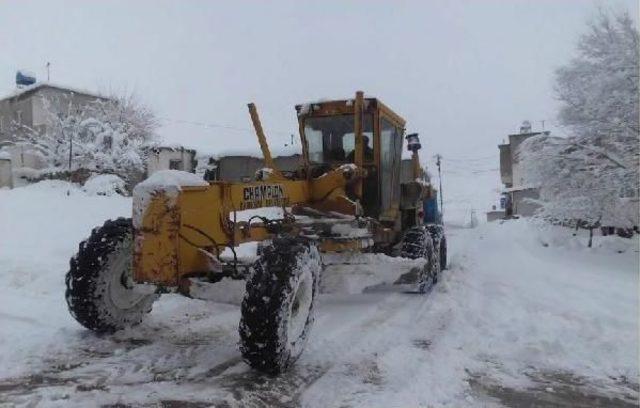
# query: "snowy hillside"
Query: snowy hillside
521,316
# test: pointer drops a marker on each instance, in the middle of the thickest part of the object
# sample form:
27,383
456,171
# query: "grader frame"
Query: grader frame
180,234
346,196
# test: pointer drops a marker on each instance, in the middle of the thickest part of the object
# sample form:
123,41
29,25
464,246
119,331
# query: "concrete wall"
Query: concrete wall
32,106
13,109
517,174
6,176
288,163
520,206
506,174
237,168
160,159
58,100
495,215
24,155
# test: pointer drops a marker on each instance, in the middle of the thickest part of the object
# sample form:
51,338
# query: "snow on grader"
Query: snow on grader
347,196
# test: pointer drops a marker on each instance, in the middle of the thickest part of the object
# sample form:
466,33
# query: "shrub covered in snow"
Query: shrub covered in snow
106,135
105,185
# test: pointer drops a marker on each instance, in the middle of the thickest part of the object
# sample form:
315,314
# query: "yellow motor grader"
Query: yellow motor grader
347,196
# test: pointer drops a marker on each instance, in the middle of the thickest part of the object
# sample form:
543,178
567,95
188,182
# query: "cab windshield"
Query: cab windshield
332,139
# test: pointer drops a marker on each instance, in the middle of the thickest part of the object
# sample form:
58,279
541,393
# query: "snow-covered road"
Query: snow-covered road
522,317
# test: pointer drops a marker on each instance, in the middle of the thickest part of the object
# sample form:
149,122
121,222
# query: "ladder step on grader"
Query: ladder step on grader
353,193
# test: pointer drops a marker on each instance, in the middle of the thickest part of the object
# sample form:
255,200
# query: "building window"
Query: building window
175,164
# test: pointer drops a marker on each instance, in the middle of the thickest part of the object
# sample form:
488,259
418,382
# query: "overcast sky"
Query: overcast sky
463,73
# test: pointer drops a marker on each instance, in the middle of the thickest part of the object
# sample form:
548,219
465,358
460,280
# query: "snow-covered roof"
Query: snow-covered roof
171,146
39,85
247,152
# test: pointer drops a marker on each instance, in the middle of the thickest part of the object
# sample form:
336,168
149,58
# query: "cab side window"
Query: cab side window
390,155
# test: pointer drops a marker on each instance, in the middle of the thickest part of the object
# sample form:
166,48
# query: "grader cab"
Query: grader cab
349,195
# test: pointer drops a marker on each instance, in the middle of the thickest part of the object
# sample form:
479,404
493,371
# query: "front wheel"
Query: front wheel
418,243
99,283
278,307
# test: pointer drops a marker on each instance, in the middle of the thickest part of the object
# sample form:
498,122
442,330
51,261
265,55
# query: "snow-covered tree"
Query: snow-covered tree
106,135
591,177
579,184
599,87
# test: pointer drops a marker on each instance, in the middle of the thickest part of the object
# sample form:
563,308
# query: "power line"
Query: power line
474,159
219,126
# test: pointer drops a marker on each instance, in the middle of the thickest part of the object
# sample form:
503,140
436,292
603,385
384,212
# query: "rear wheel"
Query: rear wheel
99,283
443,253
278,307
417,243
439,242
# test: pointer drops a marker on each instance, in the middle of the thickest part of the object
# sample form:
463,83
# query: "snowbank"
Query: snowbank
104,185
543,299
42,225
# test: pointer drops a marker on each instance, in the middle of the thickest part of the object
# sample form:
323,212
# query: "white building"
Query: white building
516,191
170,158
28,107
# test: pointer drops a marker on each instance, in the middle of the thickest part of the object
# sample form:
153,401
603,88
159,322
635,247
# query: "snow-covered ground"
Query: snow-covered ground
522,316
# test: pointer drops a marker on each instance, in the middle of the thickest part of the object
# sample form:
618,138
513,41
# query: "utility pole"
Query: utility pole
48,65
542,124
70,151
438,159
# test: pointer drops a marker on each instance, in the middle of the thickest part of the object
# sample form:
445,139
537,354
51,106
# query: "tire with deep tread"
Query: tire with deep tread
417,243
439,242
283,278
99,293
443,253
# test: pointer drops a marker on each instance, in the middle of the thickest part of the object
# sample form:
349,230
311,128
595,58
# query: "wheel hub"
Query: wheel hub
120,286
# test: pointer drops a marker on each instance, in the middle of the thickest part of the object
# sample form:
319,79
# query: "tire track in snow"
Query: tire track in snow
143,355
100,369
253,389
361,372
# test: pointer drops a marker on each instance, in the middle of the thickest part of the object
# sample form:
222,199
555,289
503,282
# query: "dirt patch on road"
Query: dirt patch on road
558,389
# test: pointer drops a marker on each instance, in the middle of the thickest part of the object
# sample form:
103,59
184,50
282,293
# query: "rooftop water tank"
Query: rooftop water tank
25,78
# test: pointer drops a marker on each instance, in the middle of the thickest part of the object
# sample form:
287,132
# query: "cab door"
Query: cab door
390,156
